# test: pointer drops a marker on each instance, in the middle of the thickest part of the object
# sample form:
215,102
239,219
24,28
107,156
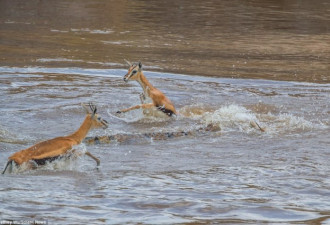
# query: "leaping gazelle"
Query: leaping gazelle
59,147
159,100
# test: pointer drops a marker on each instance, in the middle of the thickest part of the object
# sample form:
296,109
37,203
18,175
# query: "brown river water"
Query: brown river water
225,63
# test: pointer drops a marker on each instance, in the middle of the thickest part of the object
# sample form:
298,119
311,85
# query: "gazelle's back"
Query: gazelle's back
45,149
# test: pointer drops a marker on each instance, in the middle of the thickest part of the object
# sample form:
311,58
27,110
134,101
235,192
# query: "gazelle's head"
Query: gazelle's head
134,71
97,121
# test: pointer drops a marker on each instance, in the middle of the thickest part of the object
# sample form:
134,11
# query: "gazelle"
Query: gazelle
59,147
159,100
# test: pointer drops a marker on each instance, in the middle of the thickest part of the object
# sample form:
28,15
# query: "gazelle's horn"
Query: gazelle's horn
93,108
90,108
130,64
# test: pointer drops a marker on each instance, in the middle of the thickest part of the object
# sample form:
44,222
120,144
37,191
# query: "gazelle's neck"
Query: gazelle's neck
81,133
145,84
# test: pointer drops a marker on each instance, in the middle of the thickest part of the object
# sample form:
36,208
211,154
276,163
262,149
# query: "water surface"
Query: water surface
281,40
205,57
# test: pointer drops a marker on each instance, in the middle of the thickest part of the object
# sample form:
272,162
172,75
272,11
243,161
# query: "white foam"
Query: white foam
231,117
287,123
70,163
195,111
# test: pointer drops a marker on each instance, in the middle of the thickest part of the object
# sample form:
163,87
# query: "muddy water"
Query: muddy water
281,40
55,55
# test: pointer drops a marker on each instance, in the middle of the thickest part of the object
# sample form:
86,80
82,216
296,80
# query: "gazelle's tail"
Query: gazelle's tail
9,162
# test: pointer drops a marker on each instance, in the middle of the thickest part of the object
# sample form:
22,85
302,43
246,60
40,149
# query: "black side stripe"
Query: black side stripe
166,111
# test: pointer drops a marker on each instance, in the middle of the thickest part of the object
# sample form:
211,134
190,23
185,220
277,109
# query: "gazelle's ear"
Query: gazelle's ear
85,107
140,66
95,110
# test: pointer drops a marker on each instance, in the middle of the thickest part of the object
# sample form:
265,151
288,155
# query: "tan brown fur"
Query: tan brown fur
61,145
159,100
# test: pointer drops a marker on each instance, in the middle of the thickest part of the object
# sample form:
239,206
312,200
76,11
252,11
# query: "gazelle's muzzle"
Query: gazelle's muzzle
126,77
105,124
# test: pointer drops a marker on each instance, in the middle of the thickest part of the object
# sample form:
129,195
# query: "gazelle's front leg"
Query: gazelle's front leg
93,157
143,106
75,154
142,97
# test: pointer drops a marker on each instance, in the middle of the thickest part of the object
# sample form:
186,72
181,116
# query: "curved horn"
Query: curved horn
130,64
93,108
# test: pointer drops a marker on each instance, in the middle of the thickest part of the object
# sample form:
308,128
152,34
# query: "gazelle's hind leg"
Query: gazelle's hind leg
11,166
26,166
142,98
31,165
257,126
10,169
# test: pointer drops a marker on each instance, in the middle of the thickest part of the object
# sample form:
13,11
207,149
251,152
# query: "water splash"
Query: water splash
195,111
71,162
285,123
231,117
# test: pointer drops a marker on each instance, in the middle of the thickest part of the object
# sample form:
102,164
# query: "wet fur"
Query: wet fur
47,151
159,100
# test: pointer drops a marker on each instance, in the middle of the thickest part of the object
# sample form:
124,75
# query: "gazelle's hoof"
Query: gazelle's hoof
118,112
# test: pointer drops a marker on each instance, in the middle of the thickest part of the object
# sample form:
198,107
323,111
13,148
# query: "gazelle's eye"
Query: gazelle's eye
134,72
98,118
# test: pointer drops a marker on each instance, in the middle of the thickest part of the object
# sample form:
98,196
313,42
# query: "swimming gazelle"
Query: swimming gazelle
159,100
60,147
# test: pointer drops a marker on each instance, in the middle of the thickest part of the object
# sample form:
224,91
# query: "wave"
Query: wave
233,117
230,117
11,138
